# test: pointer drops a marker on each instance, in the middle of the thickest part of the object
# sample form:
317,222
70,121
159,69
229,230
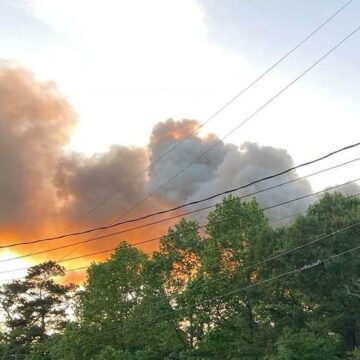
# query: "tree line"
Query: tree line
222,293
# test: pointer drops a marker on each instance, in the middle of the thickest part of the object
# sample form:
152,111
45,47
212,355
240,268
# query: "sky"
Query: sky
125,66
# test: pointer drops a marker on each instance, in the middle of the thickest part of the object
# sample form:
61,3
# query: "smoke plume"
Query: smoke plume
35,124
225,166
45,189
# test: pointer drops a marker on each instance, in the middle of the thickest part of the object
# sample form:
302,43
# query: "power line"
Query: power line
230,133
215,114
165,236
220,141
286,87
212,206
271,258
149,253
254,265
194,211
226,192
229,104
244,288
297,270
286,252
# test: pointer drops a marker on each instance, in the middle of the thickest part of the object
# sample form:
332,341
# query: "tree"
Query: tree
197,297
234,244
34,308
305,345
322,292
120,297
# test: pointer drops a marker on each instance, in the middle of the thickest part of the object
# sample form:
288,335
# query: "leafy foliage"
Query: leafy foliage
197,297
33,308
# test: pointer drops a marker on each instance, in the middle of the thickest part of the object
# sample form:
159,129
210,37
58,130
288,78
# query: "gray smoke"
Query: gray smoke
348,190
43,188
84,182
163,139
225,167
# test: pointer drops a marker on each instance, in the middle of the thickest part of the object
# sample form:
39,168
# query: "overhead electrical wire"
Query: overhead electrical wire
220,141
285,252
202,209
276,95
215,114
297,270
158,238
270,100
165,236
212,206
135,206
256,80
226,192
149,253
200,227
